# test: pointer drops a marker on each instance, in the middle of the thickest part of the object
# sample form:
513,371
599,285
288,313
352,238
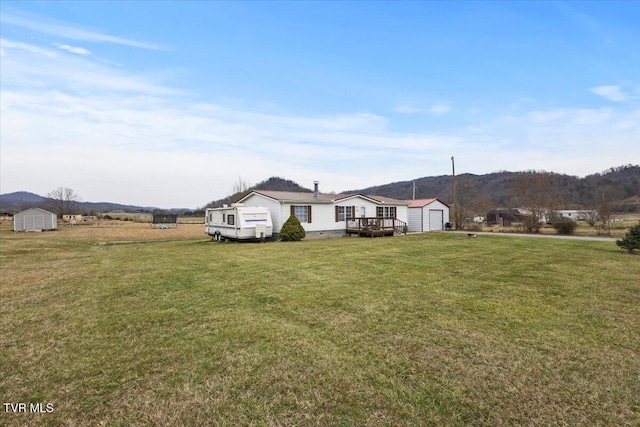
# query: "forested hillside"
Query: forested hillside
274,184
620,186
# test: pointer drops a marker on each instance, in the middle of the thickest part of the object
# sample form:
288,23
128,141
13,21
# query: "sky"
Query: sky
169,104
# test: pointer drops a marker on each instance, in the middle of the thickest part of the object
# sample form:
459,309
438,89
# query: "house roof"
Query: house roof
304,197
293,196
420,203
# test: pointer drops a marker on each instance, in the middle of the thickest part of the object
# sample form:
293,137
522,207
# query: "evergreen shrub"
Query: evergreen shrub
292,230
631,240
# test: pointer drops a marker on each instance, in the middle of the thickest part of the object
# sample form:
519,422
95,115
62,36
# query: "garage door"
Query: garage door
435,219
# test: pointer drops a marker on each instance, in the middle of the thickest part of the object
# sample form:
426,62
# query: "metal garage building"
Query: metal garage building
427,215
35,219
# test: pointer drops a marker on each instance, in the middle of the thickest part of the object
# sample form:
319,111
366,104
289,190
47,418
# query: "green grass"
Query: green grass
434,329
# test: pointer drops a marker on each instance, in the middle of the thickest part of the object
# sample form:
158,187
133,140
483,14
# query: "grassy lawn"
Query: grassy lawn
434,329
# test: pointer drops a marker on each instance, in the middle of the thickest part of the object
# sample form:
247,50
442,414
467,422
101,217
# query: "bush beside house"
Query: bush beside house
292,230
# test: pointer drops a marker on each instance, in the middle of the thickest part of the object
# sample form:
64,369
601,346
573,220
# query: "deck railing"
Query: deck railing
376,226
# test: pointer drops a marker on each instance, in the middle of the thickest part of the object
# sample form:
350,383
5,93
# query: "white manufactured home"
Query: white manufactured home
427,215
576,215
239,222
35,219
332,215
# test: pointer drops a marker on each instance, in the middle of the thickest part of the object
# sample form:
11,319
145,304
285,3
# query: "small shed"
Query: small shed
35,219
427,215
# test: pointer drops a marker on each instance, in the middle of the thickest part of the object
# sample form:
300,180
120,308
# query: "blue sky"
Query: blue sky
169,103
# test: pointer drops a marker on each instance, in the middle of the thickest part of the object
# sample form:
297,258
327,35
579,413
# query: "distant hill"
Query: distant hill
621,185
21,196
21,200
273,184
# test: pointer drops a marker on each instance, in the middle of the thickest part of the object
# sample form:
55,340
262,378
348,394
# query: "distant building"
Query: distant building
35,219
507,217
576,215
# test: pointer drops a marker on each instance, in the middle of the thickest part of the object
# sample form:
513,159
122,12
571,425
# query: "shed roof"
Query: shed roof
36,209
420,203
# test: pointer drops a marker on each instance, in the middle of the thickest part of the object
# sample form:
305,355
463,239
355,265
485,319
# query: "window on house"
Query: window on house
303,213
386,211
344,213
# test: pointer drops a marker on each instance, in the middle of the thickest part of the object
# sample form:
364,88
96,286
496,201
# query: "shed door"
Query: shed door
435,220
33,222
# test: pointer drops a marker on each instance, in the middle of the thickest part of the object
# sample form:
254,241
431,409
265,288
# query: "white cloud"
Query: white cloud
67,31
8,45
73,49
115,146
612,93
115,135
40,67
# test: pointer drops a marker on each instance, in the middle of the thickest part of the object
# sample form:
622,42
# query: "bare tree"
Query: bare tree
464,198
63,200
536,191
591,216
240,186
605,217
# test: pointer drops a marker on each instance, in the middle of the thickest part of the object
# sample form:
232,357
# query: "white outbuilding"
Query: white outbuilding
35,219
427,215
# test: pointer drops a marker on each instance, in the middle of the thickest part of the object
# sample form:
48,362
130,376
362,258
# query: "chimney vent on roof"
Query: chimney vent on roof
315,189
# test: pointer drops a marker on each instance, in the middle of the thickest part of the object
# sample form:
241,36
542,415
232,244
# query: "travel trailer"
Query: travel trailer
239,222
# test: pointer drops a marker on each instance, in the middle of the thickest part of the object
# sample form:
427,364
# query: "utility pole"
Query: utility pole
414,190
453,182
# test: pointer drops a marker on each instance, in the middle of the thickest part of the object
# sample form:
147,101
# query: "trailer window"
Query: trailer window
230,219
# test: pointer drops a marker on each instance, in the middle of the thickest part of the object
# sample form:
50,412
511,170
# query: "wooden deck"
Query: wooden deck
376,226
